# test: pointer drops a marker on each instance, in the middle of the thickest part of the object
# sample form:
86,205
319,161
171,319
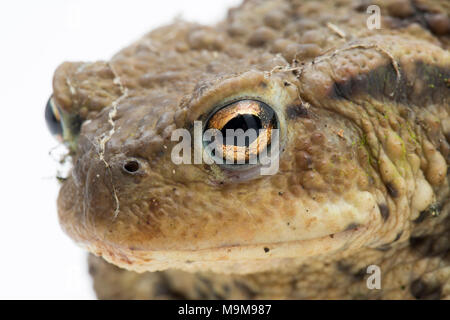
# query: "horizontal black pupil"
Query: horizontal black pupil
244,122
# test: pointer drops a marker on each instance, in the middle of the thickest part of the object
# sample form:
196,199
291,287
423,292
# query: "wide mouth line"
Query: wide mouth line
273,245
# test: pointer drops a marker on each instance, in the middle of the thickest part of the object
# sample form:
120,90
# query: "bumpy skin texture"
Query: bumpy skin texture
364,119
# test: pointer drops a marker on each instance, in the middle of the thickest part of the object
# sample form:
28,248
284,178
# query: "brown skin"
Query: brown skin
364,123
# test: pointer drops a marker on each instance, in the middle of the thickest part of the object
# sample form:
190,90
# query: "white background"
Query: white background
37,260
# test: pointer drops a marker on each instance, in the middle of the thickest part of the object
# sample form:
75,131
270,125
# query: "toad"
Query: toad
353,110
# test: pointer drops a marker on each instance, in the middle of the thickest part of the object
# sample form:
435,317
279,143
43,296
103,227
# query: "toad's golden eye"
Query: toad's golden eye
245,127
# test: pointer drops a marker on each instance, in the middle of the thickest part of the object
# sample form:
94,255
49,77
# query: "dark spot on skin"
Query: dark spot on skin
360,274
384,211
266,249
396,21
362,5
246,290
201,294
387,246
297,111
432,210
205,281
383,248
352,226
423,291
92,270
381,83
226,289
343,267
280,193
262,84
418,244
163,289
208,289
397,237
422,216
437,23
393,192
347,269
293,285
431,246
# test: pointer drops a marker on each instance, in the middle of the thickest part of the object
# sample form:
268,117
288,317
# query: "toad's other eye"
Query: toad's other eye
53,119
245,128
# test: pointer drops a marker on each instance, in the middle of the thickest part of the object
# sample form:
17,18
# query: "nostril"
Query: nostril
131,166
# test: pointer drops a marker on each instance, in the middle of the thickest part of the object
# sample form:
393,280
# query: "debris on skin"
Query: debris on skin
364,46
61,155
337,30
384,211
102,142
433,210
71,87
340,133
